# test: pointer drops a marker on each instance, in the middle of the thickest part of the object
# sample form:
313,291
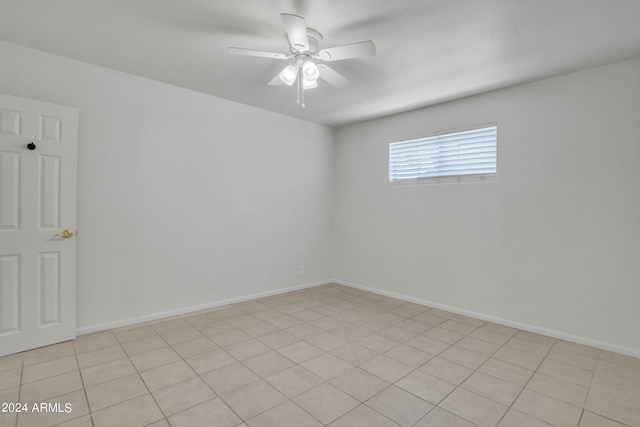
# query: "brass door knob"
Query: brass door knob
67,234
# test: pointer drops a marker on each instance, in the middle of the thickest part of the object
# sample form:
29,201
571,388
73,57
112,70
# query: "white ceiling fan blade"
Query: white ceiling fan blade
276,81
332,77
296,31
253,52
348,51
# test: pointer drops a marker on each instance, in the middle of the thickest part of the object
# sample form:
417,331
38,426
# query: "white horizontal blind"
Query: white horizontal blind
469,152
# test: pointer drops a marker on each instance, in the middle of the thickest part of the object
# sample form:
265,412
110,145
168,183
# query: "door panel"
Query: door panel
37,201
49,296
10,122
9,190
49,192
10,293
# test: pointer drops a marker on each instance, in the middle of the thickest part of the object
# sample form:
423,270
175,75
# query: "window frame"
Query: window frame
446,179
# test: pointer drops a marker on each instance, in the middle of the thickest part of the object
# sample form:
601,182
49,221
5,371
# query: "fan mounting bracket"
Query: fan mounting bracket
315,39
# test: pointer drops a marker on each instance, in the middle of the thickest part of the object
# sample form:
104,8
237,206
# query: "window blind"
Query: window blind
468,152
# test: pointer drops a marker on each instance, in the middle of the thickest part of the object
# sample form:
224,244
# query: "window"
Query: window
468,155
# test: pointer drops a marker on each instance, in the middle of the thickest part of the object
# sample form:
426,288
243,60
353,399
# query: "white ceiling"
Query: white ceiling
428,51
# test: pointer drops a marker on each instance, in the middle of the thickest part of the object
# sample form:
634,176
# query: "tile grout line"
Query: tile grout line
462,382
198,375
272,349
545,357
417,368
290,399
488,358
91,411
84,388
586,398
20,387
436,405
589,392
525,386
165,417
505,362
360,403
363,403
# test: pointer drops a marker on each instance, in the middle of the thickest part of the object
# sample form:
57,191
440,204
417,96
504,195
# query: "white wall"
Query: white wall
183,199
553,245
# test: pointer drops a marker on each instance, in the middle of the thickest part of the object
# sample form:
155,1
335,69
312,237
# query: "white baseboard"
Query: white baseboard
178,311
525,327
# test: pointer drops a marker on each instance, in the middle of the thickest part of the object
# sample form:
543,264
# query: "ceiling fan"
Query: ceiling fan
304,43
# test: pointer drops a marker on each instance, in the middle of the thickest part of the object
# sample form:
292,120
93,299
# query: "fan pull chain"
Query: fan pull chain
300,88
298,85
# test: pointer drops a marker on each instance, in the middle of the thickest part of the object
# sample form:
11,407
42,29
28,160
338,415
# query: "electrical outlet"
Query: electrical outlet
301,269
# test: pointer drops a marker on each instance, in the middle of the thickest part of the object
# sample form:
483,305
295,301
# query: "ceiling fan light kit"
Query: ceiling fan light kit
289,74
310,70
309,84
304,43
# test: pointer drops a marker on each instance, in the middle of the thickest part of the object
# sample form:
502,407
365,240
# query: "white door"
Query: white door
38,162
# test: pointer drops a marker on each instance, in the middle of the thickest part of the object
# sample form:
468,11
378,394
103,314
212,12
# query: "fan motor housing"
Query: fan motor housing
315,39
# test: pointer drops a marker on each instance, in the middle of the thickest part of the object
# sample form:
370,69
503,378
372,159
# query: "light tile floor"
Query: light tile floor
329,355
